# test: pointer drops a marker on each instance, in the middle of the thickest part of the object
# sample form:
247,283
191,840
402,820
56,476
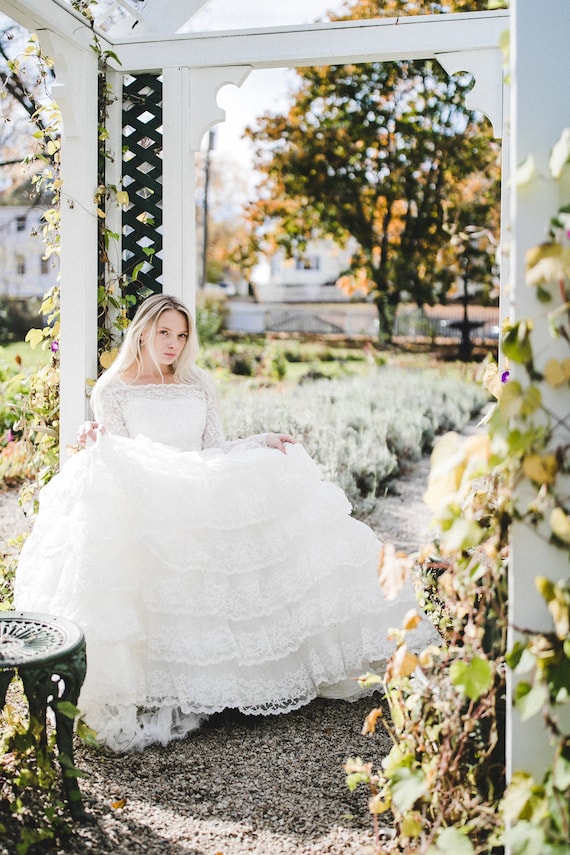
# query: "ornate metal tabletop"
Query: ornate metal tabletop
30,638
48,653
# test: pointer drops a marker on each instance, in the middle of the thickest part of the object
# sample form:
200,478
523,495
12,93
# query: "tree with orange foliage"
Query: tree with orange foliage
385,153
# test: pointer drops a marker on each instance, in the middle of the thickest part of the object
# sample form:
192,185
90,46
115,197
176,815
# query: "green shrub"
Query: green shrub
211,315
243,362
17,316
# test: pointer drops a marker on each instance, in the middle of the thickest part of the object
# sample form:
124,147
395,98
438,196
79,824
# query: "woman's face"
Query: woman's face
170,337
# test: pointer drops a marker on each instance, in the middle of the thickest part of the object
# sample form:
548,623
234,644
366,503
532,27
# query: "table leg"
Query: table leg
72,673
42,690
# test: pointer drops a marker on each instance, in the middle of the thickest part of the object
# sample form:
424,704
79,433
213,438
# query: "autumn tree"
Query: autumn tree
24,84
384,153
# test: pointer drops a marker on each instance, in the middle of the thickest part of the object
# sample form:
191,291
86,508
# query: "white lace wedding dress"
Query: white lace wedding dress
206,575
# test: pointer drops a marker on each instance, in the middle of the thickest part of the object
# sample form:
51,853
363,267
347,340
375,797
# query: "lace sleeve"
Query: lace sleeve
213,436
108,411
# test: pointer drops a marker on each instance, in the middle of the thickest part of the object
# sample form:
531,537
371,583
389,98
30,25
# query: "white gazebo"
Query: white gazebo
160,64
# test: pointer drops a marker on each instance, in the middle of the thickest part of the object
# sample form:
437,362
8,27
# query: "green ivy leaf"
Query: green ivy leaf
516,402
561,773
452,841
67,709
530,699
408,788
525,838
462,534
516,343
519,797
472,678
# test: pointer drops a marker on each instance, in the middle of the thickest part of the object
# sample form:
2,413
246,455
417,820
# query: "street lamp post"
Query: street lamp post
211,140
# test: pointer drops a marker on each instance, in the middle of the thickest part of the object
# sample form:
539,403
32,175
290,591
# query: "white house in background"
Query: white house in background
24,272
310,275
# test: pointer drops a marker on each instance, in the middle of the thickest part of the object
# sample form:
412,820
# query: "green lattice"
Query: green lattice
142,179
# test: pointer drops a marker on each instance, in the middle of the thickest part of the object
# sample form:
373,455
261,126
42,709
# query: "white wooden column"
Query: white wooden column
76,94
540,110
189,110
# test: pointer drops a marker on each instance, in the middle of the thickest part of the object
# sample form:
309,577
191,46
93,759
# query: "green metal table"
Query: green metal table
48,653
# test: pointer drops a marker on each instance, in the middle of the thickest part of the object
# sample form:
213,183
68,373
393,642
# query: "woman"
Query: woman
206,574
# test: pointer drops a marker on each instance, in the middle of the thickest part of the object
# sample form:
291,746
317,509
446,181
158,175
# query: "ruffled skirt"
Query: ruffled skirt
205,581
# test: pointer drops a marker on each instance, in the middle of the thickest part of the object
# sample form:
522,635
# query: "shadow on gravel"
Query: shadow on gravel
242,784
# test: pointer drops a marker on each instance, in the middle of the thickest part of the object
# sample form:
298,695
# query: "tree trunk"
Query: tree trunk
386,317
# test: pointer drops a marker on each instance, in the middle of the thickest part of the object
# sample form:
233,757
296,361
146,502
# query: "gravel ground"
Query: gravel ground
242,785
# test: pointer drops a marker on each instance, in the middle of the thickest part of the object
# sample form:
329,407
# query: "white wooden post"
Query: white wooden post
76,94
540,110
189,109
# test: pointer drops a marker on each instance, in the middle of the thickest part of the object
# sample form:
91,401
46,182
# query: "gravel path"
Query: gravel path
243,785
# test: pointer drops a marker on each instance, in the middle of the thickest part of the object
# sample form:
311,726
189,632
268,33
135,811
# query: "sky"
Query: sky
263,91
230,14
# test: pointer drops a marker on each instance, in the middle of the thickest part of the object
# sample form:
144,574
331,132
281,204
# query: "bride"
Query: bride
206,574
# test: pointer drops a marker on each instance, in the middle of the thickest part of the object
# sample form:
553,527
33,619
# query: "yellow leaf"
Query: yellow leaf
540,469
34,337
369,725
542,250
108,357
555,373
560,154
492,380
545,587
101,213
123,198
119,804
525,171
378,805
426,657
412,825
560,524
411,620
402,664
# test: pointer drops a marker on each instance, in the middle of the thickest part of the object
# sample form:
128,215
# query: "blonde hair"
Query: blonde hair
146,321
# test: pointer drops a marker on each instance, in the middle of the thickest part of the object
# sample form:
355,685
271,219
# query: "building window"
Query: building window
20,223
20,265
44,266
307,262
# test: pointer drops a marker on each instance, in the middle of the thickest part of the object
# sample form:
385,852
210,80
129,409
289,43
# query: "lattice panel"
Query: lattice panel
142,179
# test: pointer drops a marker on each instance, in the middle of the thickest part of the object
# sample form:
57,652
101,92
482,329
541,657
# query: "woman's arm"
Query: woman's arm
213,436
108,414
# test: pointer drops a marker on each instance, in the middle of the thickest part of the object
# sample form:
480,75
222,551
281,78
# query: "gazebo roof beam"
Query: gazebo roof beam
57,17
417,37
156,17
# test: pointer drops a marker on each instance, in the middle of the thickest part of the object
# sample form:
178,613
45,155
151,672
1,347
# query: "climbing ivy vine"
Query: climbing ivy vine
443,782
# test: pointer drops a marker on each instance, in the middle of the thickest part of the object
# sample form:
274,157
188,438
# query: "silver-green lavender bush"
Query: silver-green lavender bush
360,430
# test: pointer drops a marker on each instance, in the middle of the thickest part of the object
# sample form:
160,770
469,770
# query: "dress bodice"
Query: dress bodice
180,415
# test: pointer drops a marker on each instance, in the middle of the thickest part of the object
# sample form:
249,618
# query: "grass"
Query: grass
20,350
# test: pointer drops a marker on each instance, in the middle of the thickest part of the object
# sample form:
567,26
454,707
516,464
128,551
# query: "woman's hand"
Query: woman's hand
279,441
89,430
